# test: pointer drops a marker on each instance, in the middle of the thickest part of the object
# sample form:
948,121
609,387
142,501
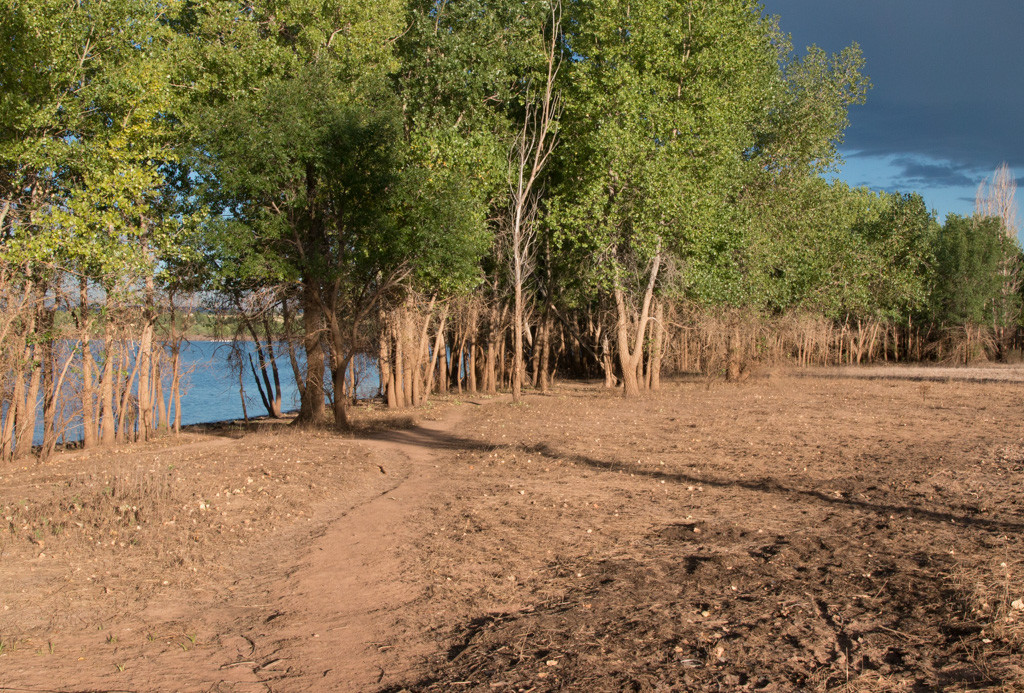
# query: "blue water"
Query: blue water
210,391
209,386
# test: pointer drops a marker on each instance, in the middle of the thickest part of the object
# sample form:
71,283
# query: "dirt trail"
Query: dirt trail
296,587
332,625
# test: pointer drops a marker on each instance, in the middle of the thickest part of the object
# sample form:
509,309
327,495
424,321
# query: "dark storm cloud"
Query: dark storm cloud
948,75
930,175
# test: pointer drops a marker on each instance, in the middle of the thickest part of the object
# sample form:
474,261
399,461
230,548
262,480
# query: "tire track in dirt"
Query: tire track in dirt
331,622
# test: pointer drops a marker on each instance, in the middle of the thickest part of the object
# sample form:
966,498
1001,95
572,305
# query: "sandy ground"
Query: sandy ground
786,534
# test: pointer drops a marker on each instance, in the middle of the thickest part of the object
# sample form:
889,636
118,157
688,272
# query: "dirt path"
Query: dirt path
333,620
303,600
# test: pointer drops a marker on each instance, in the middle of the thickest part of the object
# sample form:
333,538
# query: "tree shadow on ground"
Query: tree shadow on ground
440,440
772,486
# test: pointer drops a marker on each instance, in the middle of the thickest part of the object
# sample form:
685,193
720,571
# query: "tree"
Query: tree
659,112
531,151
309,159
969,286
86,108
997,200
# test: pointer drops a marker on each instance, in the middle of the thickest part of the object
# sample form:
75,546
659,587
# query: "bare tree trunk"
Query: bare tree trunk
7,440
124,393
145,357
26,424
461,363
544,344
444,371
420,376
176,387
286,316
504,373
734,352
517,342
339,367
629,358
48,363
340,357
435,354
108,421
534,144
490,360
272,358
608,364
89,427
241,391
474,330
163,422
174,397
384,360
654,367
400,375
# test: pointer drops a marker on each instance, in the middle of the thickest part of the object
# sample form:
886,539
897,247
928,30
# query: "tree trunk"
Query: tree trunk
517,342
435,355
654,366
474,330
491,357
444,368
608,364
89,427
26,424
48,364
400,377
419,374
544,342
630,358
274,371
384,359
289,334
108,421
734,354
312,405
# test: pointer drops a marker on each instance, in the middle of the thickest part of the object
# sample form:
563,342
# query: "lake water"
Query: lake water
210,389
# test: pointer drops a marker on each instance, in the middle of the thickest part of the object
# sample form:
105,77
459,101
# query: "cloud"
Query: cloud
925,174
978,139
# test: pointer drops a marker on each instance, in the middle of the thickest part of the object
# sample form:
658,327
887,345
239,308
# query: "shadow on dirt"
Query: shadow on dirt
768,485
437,440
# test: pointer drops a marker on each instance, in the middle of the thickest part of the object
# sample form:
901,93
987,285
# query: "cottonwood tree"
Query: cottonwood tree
284,93
479,81
658,114
997,199
304,145
86,108
531,151
969,254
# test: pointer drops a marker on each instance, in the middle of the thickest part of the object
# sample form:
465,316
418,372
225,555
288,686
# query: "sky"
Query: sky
946,105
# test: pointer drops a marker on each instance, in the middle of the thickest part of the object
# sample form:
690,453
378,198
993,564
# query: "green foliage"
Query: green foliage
809,106
87,131
660,111
356,149
969,254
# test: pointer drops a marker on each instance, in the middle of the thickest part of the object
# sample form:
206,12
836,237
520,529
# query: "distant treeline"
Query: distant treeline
484,194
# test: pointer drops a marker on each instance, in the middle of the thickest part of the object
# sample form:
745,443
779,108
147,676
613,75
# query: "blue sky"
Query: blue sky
947,102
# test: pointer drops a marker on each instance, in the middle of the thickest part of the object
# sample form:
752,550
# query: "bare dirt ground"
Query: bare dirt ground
786,534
